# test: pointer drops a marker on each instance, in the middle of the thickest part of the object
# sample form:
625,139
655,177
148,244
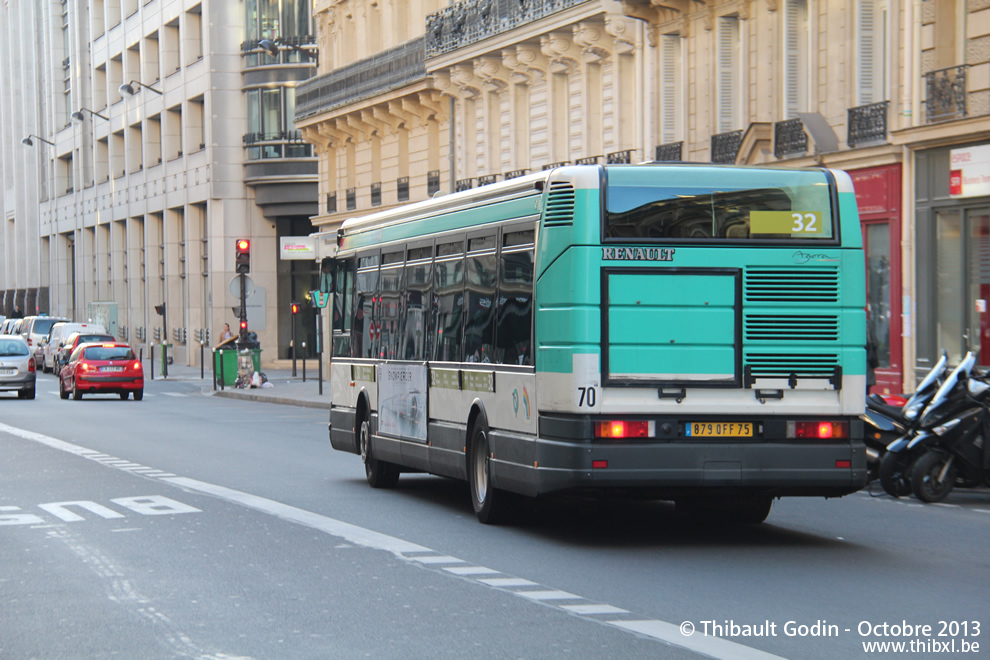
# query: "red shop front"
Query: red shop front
878,195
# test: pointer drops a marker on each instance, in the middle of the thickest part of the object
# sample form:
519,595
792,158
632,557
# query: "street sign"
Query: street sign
235,286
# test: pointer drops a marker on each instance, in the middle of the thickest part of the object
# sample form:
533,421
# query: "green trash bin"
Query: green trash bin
228,358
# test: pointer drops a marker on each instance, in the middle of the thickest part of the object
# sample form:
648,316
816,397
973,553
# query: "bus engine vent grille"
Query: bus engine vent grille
784,365
774,327
560,205
792,285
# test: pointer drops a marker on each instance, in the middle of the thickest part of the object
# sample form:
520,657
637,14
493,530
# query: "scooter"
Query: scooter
957,451
949,399
886,422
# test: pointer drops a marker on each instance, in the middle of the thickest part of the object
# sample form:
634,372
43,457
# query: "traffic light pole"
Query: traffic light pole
242,335
294,349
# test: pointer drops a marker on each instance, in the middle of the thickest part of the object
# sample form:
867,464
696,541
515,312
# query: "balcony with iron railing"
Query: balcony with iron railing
391,69
470,21
669,152
789,138
867,124
945,94
725,146
279,144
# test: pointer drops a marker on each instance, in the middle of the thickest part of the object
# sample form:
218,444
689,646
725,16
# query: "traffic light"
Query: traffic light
160,309
295,308
244,326
242,255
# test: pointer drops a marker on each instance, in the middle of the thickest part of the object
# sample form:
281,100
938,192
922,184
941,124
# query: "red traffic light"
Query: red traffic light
242,255
243,325
295,308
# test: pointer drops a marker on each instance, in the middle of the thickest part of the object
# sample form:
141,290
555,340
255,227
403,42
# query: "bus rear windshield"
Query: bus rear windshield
716,203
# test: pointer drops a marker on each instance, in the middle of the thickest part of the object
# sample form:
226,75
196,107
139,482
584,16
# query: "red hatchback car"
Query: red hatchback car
108,368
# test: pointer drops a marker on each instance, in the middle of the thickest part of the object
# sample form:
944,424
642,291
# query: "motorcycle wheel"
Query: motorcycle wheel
895,473
925,481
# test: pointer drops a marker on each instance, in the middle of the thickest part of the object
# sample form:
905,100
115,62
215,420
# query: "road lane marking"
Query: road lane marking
469,570
715,647
662,631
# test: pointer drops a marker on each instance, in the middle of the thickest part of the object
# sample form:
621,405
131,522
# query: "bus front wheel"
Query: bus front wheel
491,505
379,473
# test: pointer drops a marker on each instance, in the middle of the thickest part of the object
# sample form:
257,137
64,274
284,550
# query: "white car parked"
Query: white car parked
57,339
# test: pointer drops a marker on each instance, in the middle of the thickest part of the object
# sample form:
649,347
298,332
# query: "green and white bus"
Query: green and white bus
686,332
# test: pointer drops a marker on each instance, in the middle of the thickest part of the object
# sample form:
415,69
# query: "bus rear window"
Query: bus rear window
658,203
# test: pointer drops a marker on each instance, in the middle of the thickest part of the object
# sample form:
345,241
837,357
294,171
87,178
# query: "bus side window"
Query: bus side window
363,327
419,283
479,306
515,308
448,302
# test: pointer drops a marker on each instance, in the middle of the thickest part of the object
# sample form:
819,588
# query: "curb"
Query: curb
279,400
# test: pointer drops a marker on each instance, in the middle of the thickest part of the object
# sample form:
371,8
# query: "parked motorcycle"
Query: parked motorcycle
957,452
887,422
949,399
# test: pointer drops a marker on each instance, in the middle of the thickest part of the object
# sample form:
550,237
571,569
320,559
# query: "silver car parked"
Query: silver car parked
17,367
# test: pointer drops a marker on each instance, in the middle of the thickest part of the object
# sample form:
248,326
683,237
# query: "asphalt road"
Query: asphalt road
194,526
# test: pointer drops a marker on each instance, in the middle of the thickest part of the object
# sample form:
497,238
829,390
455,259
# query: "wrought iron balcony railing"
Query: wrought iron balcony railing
725,146
471,21
945,94
789,138
867,124
669,151
390,69
619,157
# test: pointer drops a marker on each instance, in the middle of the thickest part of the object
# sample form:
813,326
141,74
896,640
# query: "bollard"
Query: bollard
151,354
213,369
304,361
222,384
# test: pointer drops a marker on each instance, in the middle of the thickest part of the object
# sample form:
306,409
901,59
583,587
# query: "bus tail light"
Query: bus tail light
821,430
624,429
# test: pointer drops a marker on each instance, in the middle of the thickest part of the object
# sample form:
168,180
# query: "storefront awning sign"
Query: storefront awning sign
969,174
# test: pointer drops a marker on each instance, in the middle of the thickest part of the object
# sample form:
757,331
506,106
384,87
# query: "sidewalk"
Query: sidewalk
285,389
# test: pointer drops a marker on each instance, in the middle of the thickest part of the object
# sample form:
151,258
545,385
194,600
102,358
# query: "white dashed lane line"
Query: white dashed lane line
427,558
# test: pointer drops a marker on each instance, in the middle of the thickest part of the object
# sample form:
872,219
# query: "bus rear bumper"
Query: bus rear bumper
673,469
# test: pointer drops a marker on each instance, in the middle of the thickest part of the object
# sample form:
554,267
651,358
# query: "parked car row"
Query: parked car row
84,357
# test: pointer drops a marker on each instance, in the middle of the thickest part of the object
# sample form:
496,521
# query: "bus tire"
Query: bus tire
379,473
491,505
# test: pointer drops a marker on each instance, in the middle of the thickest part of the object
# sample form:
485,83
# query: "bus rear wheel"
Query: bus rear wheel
491,505
379,473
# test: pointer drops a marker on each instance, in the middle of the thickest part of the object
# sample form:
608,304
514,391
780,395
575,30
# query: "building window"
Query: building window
271,126
796,58
727,73
670,87
351,199
871,51
286,20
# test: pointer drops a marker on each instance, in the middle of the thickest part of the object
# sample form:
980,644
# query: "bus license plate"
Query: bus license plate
720,429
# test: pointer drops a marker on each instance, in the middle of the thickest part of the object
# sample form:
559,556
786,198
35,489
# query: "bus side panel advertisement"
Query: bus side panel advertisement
402,401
